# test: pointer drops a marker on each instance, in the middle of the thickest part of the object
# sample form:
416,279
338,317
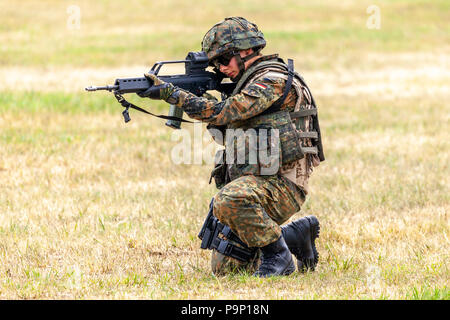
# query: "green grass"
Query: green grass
67,103
427,293
131,34
85,185
93,208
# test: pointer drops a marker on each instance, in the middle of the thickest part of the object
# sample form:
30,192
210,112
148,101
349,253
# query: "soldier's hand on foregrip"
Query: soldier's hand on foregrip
160,90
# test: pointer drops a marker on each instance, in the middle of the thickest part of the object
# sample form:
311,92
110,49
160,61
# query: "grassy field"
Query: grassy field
92,208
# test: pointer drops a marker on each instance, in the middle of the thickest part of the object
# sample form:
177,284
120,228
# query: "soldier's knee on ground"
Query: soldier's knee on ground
222,265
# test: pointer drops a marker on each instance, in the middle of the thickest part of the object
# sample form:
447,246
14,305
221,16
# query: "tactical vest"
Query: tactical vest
275,141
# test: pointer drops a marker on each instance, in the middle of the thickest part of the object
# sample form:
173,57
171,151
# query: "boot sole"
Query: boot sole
305,263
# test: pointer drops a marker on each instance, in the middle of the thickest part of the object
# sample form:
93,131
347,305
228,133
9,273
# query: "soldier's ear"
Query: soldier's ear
244,53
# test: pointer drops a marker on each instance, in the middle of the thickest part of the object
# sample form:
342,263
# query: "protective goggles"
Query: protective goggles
223,60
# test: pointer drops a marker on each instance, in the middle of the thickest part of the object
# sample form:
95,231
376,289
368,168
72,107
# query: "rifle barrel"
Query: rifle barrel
109,88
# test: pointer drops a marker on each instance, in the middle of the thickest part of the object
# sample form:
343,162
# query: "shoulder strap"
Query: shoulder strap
254,70
288,86
276,106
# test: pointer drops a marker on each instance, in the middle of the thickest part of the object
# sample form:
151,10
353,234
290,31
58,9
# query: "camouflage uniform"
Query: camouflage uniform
252,204
256,97
254,207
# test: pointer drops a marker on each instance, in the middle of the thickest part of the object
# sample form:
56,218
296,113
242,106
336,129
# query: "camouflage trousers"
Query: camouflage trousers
254,207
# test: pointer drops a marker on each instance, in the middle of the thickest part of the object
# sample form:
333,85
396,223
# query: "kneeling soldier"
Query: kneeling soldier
272,102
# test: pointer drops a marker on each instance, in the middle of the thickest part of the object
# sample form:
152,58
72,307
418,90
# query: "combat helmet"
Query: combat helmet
232,35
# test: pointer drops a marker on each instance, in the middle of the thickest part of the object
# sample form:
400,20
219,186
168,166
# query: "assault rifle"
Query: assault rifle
195,80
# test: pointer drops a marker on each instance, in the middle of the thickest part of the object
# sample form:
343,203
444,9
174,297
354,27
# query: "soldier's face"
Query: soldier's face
231,70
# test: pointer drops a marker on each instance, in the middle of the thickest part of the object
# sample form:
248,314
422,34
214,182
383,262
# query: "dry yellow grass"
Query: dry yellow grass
91,208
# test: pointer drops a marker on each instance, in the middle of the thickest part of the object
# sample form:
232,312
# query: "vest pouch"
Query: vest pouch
289,139
291,149
242,152
253,151
263,145
268,150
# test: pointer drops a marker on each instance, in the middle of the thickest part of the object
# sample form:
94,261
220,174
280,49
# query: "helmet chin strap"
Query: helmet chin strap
241,64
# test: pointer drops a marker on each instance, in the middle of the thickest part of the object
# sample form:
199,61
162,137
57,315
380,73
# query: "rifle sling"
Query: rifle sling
127,105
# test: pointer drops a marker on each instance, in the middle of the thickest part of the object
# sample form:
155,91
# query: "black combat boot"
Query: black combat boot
276,260
300,236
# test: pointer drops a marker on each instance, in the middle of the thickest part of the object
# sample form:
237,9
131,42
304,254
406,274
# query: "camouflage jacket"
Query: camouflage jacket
243,109
253,99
